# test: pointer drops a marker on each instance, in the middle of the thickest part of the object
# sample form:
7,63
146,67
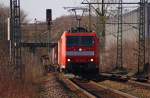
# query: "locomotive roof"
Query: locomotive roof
81,34
77,29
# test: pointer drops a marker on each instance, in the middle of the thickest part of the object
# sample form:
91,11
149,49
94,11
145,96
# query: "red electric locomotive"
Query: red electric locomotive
79,52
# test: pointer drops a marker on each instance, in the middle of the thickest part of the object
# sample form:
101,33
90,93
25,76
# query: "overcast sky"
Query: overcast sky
37,8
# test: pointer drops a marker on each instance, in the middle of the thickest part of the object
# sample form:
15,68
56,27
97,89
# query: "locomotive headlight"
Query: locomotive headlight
63,66
80,49
92,60
68,60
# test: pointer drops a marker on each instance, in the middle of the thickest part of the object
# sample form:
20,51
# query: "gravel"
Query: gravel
128,88
51,87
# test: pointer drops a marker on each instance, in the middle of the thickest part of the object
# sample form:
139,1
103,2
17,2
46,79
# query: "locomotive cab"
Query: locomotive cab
79,51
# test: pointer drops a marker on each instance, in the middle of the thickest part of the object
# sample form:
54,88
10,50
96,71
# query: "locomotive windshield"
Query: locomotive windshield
80,41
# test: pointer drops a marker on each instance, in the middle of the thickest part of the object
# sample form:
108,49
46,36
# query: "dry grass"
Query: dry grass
130,60
14,89
33,65
9,87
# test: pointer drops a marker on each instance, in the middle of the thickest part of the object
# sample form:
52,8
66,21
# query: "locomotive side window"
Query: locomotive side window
80,41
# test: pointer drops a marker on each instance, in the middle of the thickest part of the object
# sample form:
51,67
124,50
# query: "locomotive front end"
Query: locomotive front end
82,53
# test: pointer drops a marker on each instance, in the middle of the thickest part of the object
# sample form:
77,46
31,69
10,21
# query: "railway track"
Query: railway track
100,91
142,84
75,88
91,89
131,87
106,88
133,81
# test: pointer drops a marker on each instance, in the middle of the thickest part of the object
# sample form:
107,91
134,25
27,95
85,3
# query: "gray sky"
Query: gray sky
37,8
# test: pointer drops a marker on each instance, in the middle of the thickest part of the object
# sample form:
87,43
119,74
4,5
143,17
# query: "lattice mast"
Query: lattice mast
119,62
15,26
141,54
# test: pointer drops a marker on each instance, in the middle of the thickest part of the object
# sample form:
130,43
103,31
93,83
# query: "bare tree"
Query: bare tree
4,14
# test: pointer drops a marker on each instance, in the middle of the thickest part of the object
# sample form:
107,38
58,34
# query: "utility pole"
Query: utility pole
119,62
15,38
1,27
148,43
35,30
103,37
141,23
49,22
89,17
141,55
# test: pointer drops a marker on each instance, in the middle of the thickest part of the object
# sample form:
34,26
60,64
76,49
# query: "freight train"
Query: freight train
77,52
